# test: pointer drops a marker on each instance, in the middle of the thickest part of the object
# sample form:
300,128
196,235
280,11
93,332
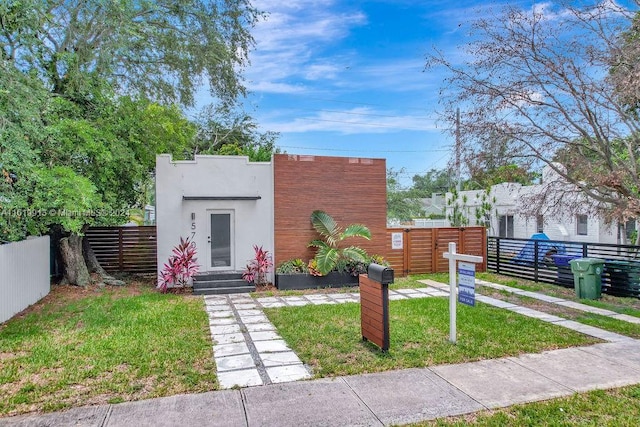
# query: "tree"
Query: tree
541,79
226,130
434,181
88,146
402,205
161,49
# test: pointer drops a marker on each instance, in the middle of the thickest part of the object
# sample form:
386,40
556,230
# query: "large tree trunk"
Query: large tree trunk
75,267
94,266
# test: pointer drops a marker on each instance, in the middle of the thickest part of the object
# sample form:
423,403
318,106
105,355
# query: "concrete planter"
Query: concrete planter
307,281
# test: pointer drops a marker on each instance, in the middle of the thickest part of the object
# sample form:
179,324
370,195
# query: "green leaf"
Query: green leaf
327,258
326,226
356,230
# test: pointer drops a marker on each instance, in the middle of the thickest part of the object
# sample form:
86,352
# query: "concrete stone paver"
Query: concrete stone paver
239,378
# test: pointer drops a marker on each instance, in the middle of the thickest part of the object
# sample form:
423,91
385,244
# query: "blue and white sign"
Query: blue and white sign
467,283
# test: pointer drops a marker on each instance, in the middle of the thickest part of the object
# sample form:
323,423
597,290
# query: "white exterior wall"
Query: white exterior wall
508,199
24,275
214,176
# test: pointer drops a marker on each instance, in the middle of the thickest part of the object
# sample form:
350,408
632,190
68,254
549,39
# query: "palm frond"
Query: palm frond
326,226
327,259
355,253
317,244
356,230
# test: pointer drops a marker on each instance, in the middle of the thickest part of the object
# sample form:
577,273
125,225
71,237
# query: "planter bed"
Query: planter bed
307,281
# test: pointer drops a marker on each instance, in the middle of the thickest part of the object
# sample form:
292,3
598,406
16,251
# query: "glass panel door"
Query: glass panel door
220,240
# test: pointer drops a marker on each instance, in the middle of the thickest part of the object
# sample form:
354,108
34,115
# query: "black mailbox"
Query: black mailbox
380,273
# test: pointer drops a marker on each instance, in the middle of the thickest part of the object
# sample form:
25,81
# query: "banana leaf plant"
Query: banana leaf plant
329,250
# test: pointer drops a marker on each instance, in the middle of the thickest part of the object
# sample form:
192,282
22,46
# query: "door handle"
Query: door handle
208,239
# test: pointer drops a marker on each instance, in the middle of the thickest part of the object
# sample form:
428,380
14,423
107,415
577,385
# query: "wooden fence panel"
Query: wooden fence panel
125,249
420,245
423,248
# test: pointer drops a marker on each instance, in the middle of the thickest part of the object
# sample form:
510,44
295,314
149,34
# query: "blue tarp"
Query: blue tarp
545,247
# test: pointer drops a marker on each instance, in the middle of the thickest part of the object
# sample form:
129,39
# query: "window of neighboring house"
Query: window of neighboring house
539,224
581,225
505,226
630,230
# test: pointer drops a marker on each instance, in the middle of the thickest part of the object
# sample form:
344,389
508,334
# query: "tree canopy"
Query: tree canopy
161,50
541,81
90,92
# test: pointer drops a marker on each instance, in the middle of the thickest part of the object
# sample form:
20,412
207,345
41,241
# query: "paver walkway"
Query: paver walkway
247,349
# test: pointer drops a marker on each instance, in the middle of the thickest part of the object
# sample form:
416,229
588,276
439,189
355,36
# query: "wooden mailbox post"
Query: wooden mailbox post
374,305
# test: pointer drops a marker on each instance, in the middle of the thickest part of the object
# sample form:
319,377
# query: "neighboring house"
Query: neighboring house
227,204
510,217
434,206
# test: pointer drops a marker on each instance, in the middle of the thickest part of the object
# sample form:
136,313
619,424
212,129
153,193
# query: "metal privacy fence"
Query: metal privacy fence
548,261
125,249
24,275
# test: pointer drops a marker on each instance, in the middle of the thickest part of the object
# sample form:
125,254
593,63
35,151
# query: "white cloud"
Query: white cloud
360,120
293,35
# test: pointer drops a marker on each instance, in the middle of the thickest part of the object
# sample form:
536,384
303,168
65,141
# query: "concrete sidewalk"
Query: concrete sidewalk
395,397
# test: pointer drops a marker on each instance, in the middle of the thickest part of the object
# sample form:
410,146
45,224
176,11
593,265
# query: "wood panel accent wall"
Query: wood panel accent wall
351,190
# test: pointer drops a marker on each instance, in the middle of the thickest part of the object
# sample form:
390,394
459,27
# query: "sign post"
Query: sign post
453,258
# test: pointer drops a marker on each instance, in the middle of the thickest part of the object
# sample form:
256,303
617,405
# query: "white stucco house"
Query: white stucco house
205,199
511,214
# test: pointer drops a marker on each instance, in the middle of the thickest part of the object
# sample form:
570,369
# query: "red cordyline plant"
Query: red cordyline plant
180,267
258,268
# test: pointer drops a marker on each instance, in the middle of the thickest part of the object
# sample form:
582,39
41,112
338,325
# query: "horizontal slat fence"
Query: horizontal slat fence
423,248
24,275
548,261
125,249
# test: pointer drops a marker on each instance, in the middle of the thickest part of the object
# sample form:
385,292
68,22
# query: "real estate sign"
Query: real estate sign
467,283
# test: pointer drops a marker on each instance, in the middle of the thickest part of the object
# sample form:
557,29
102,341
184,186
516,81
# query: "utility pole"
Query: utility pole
458,150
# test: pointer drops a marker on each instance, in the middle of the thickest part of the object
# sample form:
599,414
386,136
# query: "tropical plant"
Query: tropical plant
292,266
328,247
355,268
258,268
181,266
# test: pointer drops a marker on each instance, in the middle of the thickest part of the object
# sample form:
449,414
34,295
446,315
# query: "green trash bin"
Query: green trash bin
586,277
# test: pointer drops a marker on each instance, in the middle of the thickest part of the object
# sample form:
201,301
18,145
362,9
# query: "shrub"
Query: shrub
258,268
292,266
180,266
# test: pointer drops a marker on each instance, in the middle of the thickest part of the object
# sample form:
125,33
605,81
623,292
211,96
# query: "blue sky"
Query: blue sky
347,78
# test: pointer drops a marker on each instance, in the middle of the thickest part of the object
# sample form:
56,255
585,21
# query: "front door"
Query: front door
221,237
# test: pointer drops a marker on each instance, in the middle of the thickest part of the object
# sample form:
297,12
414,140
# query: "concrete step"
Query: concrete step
226,283
222,275
224,290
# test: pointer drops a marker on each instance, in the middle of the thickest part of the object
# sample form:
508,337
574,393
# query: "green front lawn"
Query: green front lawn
328,337
79,347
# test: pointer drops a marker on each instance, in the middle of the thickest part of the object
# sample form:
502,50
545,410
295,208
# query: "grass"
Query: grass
328,338
616,304
615,407
104,346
